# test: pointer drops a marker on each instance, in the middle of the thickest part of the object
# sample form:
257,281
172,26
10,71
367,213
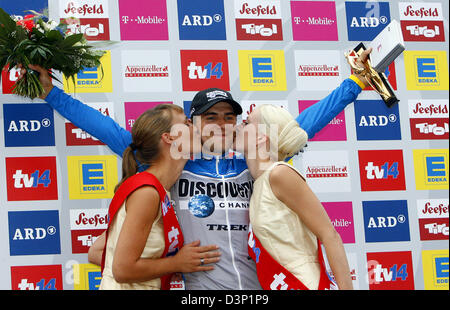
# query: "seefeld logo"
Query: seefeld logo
428,119
422,21
365,20
86,225
433,219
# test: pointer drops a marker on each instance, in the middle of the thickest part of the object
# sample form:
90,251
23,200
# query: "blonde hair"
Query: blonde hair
289,138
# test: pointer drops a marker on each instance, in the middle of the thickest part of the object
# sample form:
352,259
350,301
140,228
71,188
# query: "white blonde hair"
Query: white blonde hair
288,138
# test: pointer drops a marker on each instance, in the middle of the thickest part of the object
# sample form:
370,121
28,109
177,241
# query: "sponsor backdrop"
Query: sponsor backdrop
381,173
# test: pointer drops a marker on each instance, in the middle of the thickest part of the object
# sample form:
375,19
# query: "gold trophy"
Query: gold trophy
377,80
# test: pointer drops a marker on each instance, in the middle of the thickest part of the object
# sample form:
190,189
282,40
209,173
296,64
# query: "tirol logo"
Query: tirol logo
134,109
34,232
435,269
87,17
390,271
92,177
426,70
201,20
314,21
386,221
31,178
203,69
77,136
421,21
86,225
341,216
28,125
431,169
262,70
33,278
428,119
433,219
381,170
365,20
146,71
143,20
86,277
317,70
375,121
258,20
9,79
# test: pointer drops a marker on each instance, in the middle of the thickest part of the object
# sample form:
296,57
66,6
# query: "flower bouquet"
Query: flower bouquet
39,41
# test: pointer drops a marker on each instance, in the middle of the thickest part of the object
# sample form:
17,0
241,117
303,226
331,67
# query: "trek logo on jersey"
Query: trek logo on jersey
381,170
33,278
77,136
435,269
31,178
431,169
390,271
426,70
86,277
258,20
375,121
34,232
86,225
262,70
201,20
92,177
422,21
204,69
386,221
365,20
92,80
428,119
28,125
433,219
87,17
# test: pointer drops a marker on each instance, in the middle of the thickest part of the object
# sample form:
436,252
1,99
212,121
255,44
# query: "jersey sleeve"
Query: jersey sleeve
317,116
90,120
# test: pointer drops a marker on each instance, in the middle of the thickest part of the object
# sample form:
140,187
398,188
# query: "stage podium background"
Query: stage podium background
382,174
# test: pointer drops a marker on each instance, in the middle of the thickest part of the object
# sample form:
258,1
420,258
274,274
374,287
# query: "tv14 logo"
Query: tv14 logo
433,219
365,20
390,271
31,178
381,170
422,21
32,278
34,232
204,69
428,119
86,225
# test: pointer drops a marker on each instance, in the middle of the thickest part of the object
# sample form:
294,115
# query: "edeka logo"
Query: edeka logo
86,225
28,125
386,221
390,271
375,121
262,70
314,21
256,20
92,177
203,69
433,219
134,109
77,136
201,20
381,170
426,70
33,278
31,178
431,169
428,119
34,233
92,80
341,216
146,71
365,20
422,21
435,269
143,20
86,277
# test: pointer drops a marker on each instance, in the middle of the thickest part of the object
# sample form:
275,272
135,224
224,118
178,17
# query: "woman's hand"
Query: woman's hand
192,257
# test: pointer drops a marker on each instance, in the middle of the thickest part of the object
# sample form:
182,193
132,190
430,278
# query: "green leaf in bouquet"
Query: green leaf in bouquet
54,35
7,21
71,40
